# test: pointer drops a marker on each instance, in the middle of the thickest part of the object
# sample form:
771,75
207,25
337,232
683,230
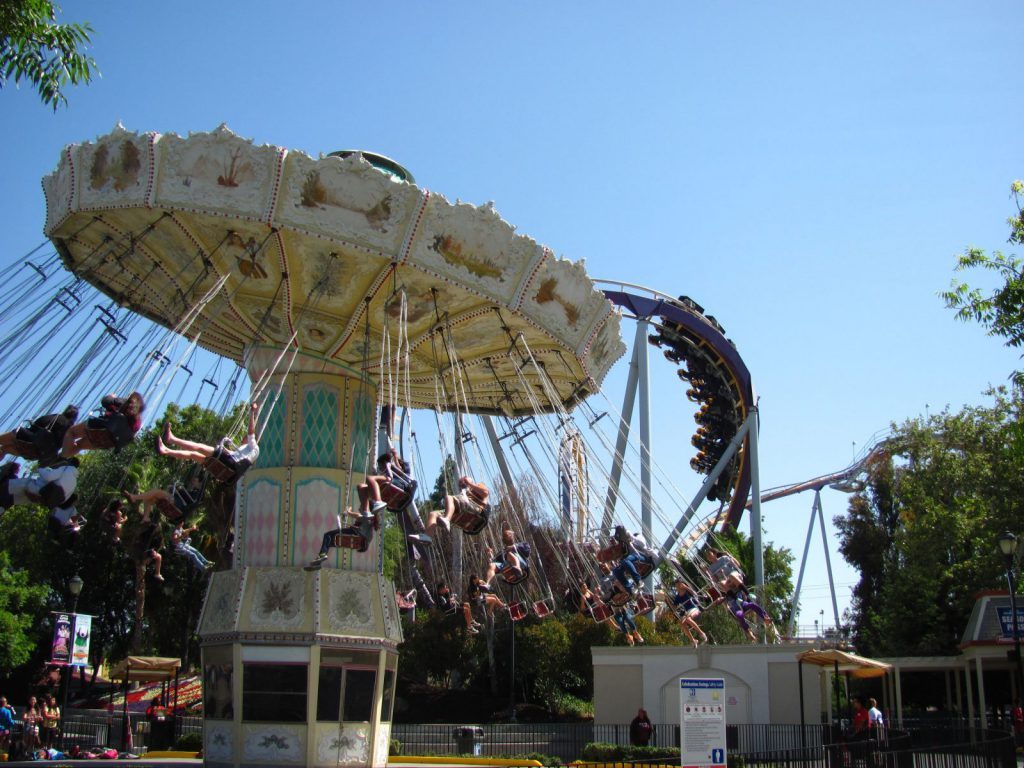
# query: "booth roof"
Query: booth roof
145,668
850,663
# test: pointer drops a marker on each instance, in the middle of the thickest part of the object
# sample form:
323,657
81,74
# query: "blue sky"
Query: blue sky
805,172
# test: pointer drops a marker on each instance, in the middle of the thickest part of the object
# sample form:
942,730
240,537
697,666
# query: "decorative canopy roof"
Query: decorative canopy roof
848,663
145,668
315,253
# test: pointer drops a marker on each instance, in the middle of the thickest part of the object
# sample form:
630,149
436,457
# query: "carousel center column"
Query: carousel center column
299,664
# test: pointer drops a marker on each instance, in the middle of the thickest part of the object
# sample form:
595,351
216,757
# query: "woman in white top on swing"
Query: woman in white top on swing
237,458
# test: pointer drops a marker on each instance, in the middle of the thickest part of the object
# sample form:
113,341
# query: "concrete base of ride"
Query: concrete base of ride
298,667
762,682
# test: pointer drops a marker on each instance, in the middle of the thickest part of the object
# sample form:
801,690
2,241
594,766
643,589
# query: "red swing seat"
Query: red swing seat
517,611
611,553
601,612
542,608
396,498
470,522
619,598
220,471
515,578
644,568
350,541
644,603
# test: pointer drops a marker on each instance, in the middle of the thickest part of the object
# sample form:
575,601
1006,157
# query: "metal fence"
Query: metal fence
567,740
756,745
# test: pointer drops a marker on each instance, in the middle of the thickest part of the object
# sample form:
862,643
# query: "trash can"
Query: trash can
161,734
469,740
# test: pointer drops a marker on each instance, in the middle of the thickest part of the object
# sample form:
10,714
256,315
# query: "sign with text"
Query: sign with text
1006,622
702,722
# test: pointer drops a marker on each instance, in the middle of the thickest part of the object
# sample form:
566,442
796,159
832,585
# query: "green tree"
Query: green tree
1000,311
923,533
445,484
36,49
22,606
109,573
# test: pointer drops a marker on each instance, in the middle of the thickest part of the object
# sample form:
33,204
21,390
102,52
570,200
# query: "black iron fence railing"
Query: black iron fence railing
953,745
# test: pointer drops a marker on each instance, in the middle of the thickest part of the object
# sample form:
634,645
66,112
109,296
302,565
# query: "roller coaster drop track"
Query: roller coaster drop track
726,436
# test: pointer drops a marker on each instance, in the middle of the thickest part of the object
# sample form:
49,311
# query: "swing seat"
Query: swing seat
26,449
644,603
611,553
601,613
100,438
517,611
350,541
515,578
644,568
619,598
542,608
470,522
397,498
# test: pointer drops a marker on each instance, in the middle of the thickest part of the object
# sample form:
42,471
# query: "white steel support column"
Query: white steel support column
719,467
628,400
969,689
899,695
460,464
755,506
982,704
828,563
503,468
644,386
803,564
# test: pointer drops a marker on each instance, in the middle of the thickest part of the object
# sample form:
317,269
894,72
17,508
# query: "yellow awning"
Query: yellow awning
848,663
145,668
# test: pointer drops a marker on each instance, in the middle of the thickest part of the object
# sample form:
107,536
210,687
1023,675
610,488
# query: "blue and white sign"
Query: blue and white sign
1006,622
702,722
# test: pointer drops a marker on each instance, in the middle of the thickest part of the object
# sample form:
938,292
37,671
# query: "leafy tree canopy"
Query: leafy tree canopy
34,48
1000,311
923,533
22,604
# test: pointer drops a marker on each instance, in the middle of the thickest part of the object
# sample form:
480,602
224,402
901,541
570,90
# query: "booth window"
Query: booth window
274,693
359,685
346,686
388,699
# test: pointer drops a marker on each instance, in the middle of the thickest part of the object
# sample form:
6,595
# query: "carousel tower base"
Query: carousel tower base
298,667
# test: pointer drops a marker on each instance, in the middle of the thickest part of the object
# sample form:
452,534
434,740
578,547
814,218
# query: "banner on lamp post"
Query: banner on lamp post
71,635
60,649
80,637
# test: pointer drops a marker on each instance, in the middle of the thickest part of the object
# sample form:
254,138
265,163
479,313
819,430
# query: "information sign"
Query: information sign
702,722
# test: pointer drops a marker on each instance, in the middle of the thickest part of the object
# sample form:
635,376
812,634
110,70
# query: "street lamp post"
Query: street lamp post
1008,546
75,584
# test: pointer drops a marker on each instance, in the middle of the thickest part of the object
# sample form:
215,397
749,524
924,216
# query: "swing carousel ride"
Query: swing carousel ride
355,299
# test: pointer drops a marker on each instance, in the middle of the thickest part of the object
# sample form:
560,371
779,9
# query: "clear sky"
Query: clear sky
806,171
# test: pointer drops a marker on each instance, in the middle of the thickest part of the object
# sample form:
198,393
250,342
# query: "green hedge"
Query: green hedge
189,742
599,751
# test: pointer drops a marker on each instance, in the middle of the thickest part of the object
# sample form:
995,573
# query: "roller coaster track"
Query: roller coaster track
719,380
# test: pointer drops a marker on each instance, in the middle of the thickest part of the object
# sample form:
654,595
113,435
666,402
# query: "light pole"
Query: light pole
1008,546
75,585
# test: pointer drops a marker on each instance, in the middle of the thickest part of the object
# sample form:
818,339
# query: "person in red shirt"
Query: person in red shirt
860,719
